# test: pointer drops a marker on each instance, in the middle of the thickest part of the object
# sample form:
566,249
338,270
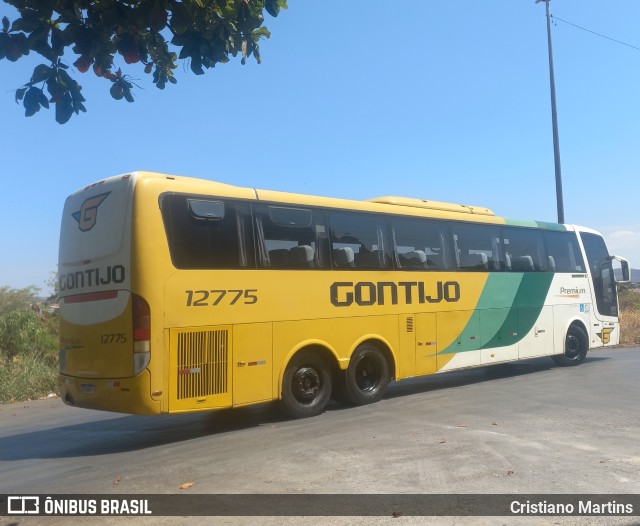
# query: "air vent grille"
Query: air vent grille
202,363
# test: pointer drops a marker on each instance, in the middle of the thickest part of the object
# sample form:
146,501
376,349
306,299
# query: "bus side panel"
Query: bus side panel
538,321
459,331
499,333
467,337
252,363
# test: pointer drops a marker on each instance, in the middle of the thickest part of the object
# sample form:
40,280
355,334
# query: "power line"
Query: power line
593,32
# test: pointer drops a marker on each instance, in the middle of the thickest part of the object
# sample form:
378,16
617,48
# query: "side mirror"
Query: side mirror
624,270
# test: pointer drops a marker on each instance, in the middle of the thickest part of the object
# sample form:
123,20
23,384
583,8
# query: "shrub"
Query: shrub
630,327
28,347
22,332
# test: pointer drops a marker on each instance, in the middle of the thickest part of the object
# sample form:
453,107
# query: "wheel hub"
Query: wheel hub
306,384
572,347
367,375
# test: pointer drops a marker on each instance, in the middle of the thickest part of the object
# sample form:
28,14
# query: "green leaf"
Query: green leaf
57,42
64,110
5,24
40,73
32,101
65,80
78,107
272,7
23,24
180,18
196,65
117,92
20,93
158,16
261,32
42,99
4,40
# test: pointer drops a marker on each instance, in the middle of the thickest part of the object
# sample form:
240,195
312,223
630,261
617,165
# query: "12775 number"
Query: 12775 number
205,298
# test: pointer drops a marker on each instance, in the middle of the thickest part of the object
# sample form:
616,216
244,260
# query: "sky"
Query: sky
445,101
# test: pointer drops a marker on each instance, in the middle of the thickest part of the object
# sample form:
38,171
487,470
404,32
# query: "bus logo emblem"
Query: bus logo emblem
87,216
605,335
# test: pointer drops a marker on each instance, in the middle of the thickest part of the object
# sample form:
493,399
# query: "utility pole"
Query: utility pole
554,119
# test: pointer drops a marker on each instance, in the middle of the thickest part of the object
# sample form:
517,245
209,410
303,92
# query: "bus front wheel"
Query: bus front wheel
366,379
306,385
576,345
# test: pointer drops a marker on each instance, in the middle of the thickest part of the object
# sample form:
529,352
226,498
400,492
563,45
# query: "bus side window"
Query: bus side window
524,249
421,244
563,249
290,237
478,247
207,233
359,241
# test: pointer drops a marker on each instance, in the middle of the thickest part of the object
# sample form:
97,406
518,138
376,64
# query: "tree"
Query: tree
17,299
152,33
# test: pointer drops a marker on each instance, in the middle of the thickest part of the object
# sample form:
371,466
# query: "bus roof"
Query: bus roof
388,204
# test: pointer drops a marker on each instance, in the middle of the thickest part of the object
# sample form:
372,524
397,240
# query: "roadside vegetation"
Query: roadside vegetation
28,345
630,315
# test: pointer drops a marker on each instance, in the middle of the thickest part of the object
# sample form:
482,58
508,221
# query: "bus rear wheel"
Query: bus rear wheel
366,379
306,385
576,345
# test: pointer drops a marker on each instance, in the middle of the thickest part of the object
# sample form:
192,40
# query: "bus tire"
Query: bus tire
306,385
576,345
366,379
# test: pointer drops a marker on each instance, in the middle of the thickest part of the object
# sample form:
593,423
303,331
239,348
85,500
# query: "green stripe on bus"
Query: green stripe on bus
535,224
500,311
551,226
493,308
531,294
520,222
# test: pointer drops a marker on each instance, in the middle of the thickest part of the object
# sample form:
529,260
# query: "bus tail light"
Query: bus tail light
141,334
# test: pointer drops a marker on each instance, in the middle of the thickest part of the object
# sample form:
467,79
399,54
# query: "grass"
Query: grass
630,327
27,378
28,349
630,317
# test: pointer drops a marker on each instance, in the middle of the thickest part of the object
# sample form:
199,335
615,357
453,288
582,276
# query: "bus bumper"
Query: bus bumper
121,395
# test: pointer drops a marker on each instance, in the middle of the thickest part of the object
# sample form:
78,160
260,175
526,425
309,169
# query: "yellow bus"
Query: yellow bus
179,294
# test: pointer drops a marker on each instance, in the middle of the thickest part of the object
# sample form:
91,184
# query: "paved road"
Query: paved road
527,427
